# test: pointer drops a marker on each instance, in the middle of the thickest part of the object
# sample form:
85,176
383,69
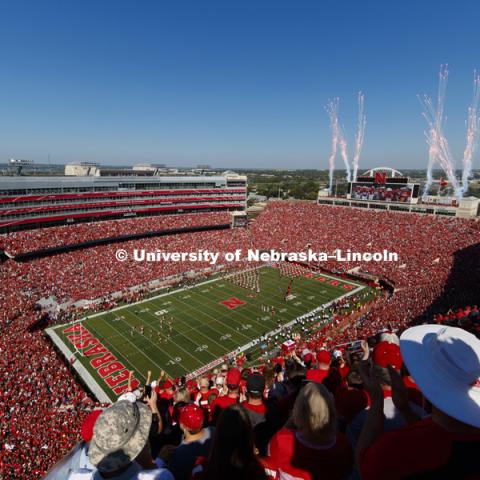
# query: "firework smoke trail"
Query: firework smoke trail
344,154
332,111
473,131
439,150
338,138
331,162
447,162
362,120
434,118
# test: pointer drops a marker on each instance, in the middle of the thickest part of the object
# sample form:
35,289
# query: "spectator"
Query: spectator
120,448
206,395
51,237
324,373
172,434
309,446
384,355
197,442
44,392
445,363
289,386
254,403
79,465
219,383
341,364
350,400
233,451
323,367
232,396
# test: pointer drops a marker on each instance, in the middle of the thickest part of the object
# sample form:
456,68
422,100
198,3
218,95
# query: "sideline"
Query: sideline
85,375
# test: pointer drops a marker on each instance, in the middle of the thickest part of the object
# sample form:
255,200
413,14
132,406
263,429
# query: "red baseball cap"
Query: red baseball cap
88,424
308,357
279,360
191,417
323,356
233,376
386,353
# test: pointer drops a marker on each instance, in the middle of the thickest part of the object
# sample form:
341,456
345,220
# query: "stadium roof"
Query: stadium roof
32,182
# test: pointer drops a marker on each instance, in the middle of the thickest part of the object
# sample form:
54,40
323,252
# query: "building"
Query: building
385,188
83,169
36,201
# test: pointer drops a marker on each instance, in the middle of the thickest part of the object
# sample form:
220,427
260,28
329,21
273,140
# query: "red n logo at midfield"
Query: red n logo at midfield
232,302
380,177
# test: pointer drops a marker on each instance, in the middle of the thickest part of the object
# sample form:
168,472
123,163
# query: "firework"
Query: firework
339,139
332,111
473,130
438,147
362,121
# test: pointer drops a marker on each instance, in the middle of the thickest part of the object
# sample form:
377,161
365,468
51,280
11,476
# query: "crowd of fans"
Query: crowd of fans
43,238
94,272
42,406
427,247
390,410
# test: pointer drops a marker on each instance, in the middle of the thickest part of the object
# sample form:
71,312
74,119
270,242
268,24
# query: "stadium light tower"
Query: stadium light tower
19,164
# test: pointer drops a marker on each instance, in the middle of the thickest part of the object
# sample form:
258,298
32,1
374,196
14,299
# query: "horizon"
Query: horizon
338,171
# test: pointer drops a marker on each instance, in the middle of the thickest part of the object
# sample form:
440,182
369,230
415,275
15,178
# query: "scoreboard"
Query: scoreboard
384,189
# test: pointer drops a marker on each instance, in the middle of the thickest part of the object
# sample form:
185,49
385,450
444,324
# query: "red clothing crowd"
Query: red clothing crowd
42,405
42,238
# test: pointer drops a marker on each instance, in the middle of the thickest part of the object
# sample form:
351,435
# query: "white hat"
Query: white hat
445,364
389,337
337,353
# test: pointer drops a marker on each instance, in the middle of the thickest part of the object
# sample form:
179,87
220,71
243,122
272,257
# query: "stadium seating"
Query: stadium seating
43,238
42,404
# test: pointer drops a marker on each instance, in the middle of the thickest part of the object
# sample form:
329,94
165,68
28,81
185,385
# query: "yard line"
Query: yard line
276,303
273,332
217,319
220,317
260,333
132,343
156,329
329,302
202,334
191,328
182,289
214,319
223,347
113,347
208,304
160,349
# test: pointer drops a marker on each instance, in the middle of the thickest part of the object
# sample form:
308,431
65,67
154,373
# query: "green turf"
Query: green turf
203,329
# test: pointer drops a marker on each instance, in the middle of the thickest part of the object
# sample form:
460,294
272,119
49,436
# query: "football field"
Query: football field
190,329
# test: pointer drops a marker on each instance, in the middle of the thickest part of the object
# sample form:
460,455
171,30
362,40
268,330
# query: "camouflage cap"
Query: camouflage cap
119,435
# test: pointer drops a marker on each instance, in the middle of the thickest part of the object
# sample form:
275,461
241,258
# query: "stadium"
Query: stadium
213,267
96,327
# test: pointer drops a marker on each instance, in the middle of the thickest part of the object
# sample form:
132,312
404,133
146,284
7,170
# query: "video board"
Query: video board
385,192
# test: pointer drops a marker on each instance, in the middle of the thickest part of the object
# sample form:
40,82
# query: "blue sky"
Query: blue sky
230,83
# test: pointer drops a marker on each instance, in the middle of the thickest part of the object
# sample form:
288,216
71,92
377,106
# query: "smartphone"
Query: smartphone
355,349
